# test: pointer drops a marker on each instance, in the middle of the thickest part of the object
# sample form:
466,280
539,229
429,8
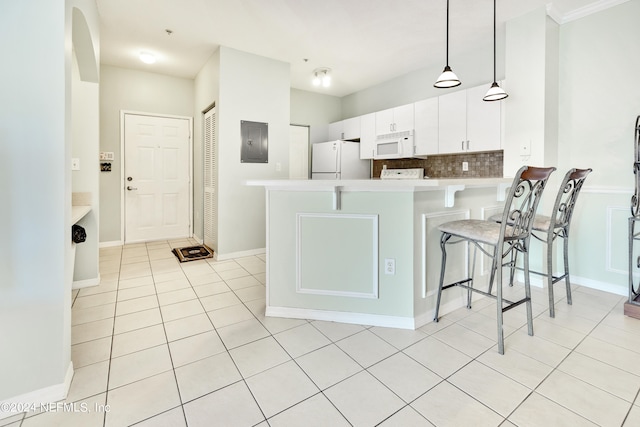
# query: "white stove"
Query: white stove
415,173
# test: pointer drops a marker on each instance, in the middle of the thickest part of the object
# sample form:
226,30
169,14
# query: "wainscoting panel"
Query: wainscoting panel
324,242
457,255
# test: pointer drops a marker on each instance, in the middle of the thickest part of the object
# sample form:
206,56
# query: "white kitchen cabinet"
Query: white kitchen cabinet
452,122
392,120
347,129
367,135
351,128
483,121
466,123
335,131
426,127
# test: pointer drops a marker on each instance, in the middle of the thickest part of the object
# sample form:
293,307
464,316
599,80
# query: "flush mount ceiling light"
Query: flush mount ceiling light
147,58
448,78
495,92
321,76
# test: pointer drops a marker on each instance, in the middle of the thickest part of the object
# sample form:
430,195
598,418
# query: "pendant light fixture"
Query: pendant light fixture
448,78
495,92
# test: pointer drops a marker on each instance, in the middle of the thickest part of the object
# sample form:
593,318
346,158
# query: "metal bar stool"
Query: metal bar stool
546,229
510,235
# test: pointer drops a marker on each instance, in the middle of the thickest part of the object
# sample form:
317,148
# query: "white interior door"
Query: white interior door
157,178
298,152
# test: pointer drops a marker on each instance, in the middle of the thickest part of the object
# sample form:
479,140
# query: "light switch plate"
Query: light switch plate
75,164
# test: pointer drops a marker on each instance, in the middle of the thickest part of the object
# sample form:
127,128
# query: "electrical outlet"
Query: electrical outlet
525,148
389,266
75,164
465,166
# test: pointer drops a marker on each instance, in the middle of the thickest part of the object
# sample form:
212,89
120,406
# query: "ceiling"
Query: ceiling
364,42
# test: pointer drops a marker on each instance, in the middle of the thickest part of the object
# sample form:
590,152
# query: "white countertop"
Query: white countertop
449,185
78,212
379,184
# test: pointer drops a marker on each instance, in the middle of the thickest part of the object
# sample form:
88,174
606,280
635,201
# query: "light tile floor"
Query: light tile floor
169,344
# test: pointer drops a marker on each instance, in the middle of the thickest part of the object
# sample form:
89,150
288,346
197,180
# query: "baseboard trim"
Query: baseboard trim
231,255
43,396
343,317
79,284
540,282
600,286
110,244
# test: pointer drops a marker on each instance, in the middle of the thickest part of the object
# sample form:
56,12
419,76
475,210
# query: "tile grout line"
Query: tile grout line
164,329
115,310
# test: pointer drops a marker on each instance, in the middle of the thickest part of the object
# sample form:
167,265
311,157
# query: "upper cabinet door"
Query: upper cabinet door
483,121
351,128
384,122
403,118
367,135
335,131
426,126
392,120
452,122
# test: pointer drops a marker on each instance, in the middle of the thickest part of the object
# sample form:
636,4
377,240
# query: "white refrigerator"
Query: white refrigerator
338,160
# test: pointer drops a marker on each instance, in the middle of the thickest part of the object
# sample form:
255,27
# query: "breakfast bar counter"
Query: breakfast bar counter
367,251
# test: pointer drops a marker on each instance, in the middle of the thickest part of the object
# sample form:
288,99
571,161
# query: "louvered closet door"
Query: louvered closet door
210,180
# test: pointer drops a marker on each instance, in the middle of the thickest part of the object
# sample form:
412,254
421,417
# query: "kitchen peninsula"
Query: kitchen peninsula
367,251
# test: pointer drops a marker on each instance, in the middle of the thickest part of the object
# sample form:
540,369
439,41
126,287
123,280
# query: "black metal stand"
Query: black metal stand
632,307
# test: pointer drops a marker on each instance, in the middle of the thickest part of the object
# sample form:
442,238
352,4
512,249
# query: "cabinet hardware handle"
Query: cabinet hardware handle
131,188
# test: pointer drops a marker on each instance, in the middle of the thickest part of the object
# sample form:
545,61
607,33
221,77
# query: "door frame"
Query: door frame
308,146
123,113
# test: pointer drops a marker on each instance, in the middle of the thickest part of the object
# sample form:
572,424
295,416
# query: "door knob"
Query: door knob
130,188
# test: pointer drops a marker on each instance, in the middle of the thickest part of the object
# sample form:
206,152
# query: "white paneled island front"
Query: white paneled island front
368,251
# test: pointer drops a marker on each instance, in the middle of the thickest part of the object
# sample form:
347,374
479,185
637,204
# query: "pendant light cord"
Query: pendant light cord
447,33
494,40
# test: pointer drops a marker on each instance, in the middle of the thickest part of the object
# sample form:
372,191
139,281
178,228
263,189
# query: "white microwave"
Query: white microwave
394,146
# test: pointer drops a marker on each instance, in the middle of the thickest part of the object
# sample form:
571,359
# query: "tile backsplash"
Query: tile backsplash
481,165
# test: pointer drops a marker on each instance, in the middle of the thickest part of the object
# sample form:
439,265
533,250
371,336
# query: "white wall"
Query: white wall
206,90
315,110
252,88
85,147
140,91
597,114
35,183
473,68
525,107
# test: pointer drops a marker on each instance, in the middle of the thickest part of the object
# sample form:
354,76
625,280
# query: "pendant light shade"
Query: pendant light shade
448,78
495,92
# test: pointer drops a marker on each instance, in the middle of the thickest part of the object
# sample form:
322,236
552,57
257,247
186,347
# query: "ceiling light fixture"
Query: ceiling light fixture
147,58
448,78
495,92
321,76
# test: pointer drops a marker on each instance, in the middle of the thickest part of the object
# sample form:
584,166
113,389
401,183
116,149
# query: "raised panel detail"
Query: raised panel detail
325,242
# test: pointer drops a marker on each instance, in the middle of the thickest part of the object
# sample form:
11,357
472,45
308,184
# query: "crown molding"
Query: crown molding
581,12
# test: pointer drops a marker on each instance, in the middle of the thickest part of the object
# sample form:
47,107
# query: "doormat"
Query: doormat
192,253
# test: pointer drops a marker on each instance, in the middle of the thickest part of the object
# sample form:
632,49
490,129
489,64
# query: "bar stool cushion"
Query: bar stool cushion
541,223
475,229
